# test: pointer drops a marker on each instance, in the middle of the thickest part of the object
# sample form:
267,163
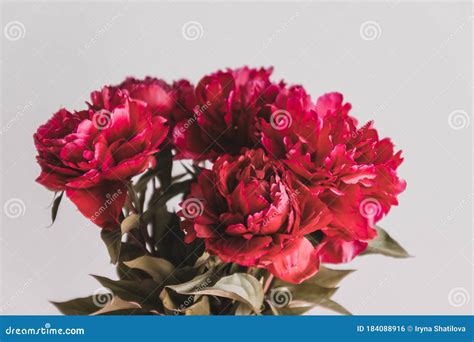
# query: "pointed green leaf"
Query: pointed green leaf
295,310
159,269
334,306
306,292
243,310
328,277
241,287
200,282
78,306
130,222
384,244
55,207
117,304
145,292
112,240
325,277
199,308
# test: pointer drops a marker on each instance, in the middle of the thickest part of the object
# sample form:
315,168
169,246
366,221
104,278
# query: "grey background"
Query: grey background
408,80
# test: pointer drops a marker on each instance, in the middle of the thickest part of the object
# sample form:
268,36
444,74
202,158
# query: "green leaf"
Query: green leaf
328,277
130,222
164,165
311,293
334,306
195,284
305,292
295,311
113,240
55,207
171,308
145,292
241,287
161,223
130,312
159,269
129,251
171,246
160,199
117,304
384,244
325,277
78,306
301,308
199,308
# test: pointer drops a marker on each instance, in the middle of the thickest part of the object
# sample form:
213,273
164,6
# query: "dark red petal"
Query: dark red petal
298,261
101,204
336,250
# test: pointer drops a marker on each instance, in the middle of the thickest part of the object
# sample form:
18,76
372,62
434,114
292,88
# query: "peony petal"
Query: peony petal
101,204
298,261
336,250
240,250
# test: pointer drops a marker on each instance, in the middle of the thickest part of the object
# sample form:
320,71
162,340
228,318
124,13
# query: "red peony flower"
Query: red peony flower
222,118
349,169
247,212
92,154
161,98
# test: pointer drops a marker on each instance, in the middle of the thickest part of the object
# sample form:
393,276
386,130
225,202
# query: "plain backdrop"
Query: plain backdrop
409,71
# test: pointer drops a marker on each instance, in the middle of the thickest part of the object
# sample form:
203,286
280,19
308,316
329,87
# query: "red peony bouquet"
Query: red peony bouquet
272,187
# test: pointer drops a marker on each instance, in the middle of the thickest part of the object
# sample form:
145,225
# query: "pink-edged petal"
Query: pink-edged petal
240,250
101,204
298,261
336,250
52,181
328,103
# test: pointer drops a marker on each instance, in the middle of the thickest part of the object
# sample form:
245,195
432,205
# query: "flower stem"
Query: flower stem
268,283
145,238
